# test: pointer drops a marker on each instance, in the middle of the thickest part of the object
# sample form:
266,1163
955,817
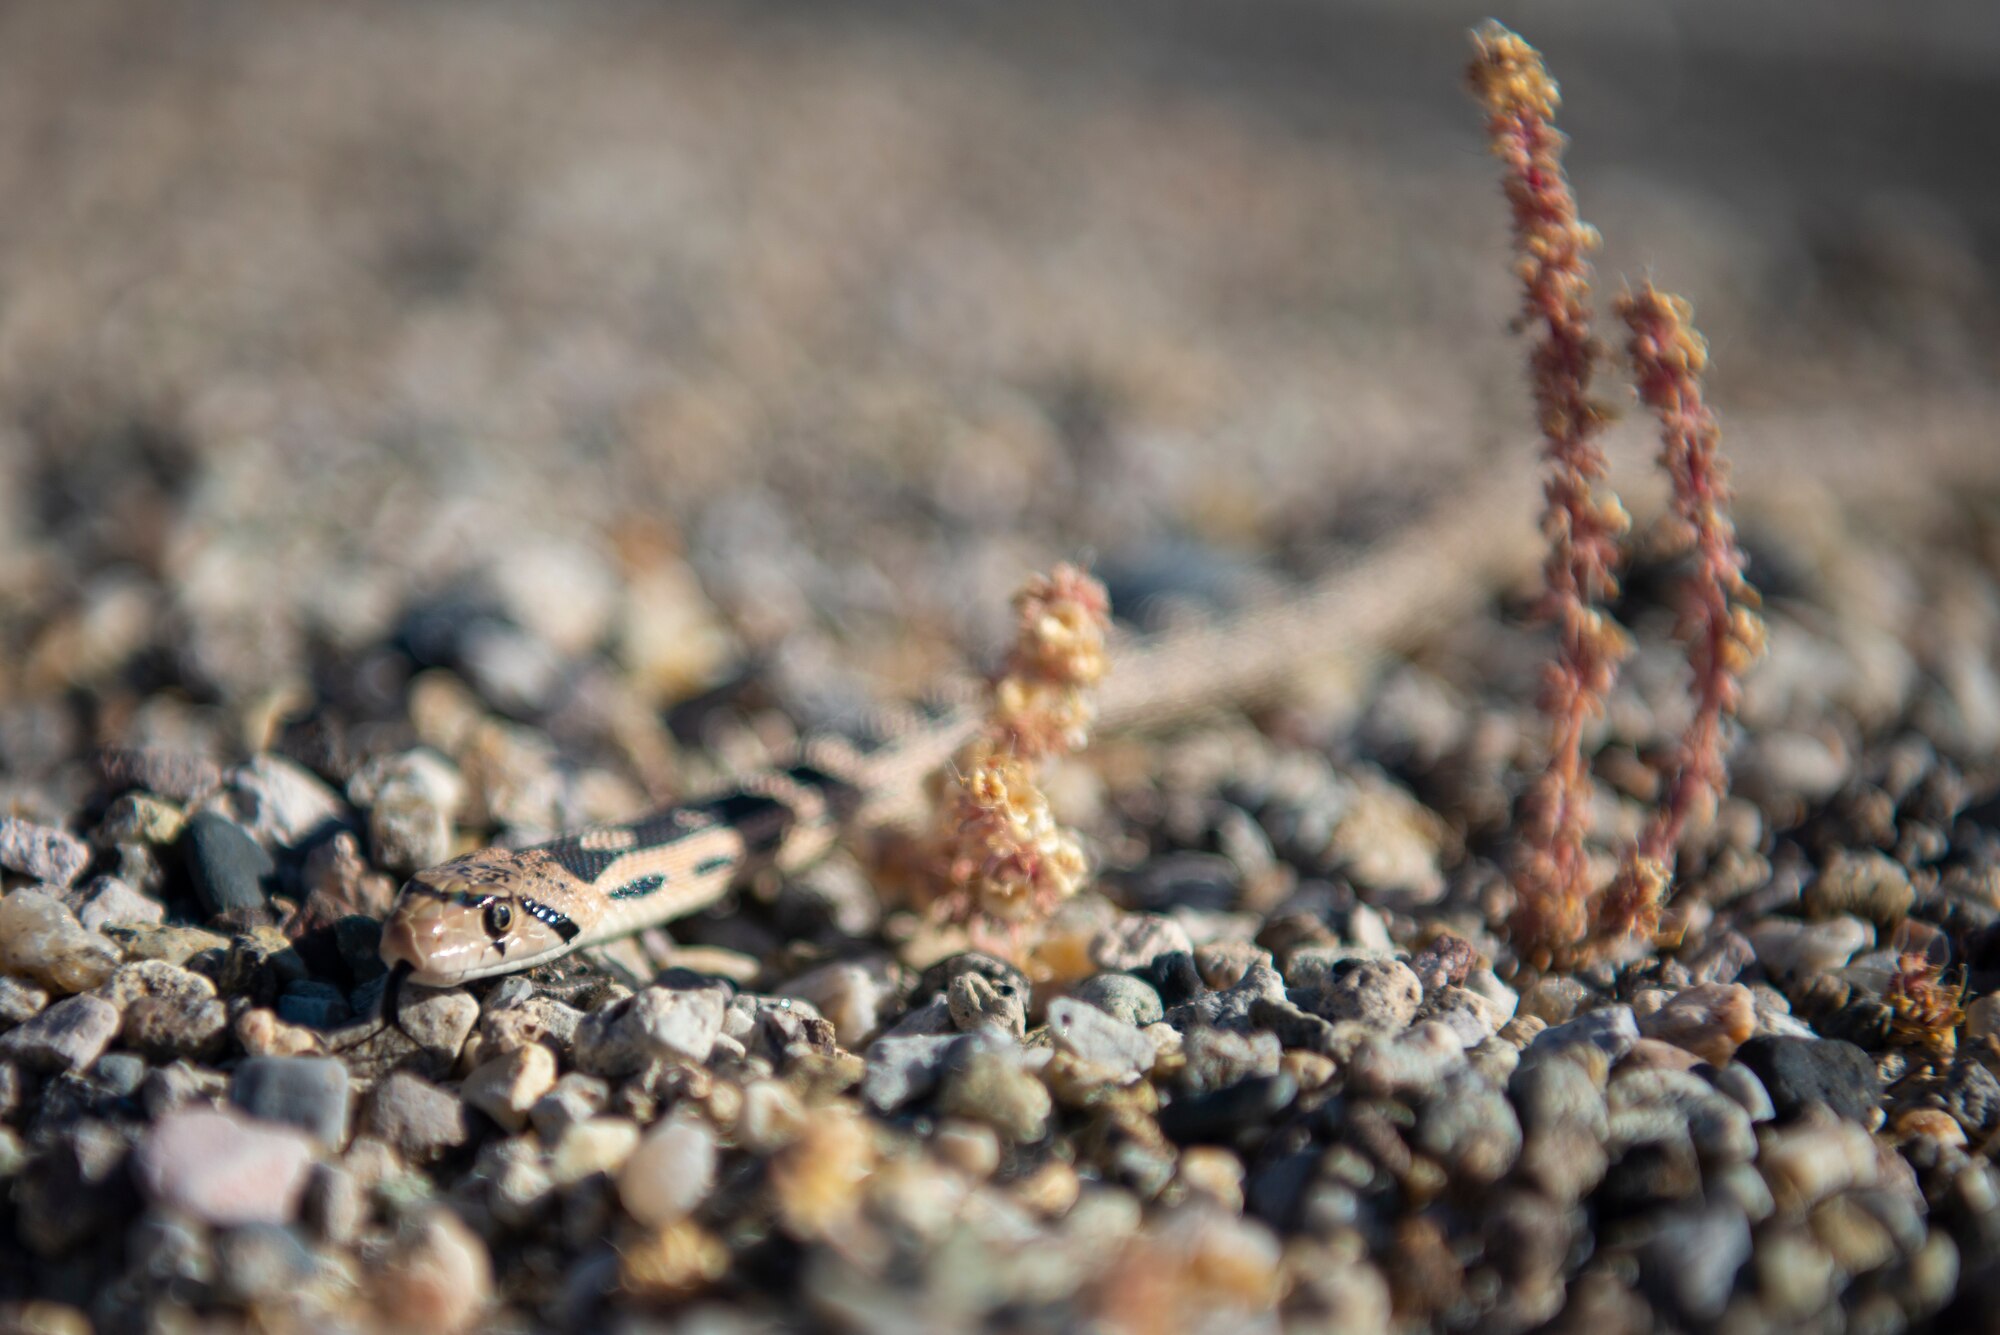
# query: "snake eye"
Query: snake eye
499,917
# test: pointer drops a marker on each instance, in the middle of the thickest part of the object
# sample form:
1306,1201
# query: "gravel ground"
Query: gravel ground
424,427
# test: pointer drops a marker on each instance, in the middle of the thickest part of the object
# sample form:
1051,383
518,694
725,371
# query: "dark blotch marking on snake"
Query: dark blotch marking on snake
639,887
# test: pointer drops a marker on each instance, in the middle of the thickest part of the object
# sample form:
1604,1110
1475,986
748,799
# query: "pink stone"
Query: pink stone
222,1168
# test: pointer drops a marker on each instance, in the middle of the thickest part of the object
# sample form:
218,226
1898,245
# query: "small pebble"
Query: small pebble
507,1086
1797,1072
1122,997
1867,884
1103,1041
1790,949
282,802
576,1096
1382,994
1136,940
141,818
68,1036
669,1174
104,900
228,867
1693,1257
222,1168
1931,1124
975,1002
41,941
438,1281
415,1117
19,1001
595,1145
1612,1030
655,1024
309,1093
411,798
1710,1020
260,1262
49,855
989,1086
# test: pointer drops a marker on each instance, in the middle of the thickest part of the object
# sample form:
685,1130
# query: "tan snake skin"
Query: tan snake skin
497,911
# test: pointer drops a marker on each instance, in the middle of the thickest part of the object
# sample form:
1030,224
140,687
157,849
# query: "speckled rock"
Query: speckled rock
1090,1035
1135,940
856,997
172,943
222,1168
976,1001
1231,1008
656,1024
1465,1012
1123,997
167,1011
68,1036
52,856
104,900
1382,994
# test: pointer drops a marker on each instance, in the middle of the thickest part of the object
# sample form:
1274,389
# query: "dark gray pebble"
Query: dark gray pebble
119,1073
1174,977
1972,1095
306,1092
1221,1116
1184,880
227,865
1801,1071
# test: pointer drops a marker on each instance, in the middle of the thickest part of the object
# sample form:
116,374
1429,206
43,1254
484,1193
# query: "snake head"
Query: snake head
471,918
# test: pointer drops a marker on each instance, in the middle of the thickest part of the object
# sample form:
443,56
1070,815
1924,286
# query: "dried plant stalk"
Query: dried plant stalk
1724,635
999,858
1581,521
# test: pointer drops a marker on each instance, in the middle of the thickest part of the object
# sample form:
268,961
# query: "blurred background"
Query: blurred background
341,340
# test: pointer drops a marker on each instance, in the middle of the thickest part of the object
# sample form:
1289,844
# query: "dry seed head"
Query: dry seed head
1508,76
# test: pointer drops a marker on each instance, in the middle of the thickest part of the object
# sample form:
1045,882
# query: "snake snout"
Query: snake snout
413,933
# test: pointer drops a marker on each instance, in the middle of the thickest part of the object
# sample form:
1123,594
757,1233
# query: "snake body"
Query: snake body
497,911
